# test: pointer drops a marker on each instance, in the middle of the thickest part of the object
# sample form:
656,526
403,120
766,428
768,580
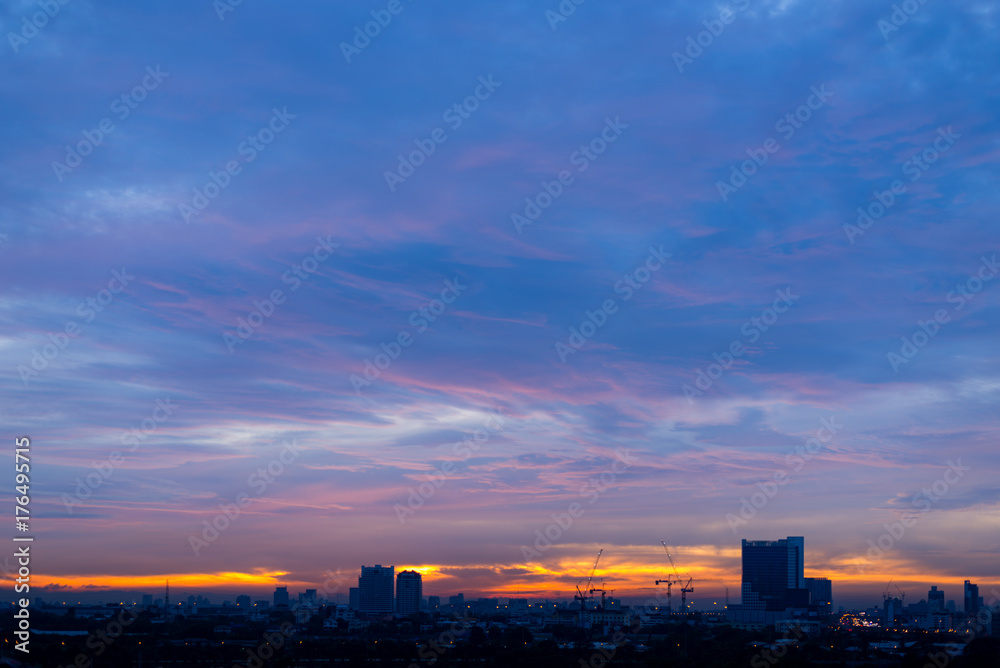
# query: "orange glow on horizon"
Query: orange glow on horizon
630,574
156,582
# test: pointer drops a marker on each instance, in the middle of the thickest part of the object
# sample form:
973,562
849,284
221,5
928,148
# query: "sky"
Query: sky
282,298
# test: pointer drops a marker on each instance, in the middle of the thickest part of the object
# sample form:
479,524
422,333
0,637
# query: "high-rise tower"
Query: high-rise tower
409,592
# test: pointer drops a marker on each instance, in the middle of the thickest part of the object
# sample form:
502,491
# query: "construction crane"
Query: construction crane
887,594
902,595
684,592
667,581
888,588
685,588
583,595
603,592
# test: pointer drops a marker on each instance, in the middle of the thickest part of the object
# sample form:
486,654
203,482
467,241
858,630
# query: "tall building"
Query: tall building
774,574
243,601
353,599
409,592
820,594
892,607
433,602
458,599
935,600
281,596
375,589
971,598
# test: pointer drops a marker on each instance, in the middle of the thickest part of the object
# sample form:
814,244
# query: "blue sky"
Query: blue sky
833,106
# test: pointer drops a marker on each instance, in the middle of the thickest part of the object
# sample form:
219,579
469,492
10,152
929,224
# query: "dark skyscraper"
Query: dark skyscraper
773,574
354,598
935,600
281,596
375,589
409,592
820,594
971,598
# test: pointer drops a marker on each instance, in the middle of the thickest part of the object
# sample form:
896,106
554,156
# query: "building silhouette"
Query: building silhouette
375,587
774,590
308,598
281,596
354,599
935,600
820,594
971,598
892,607
774,574
409,592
